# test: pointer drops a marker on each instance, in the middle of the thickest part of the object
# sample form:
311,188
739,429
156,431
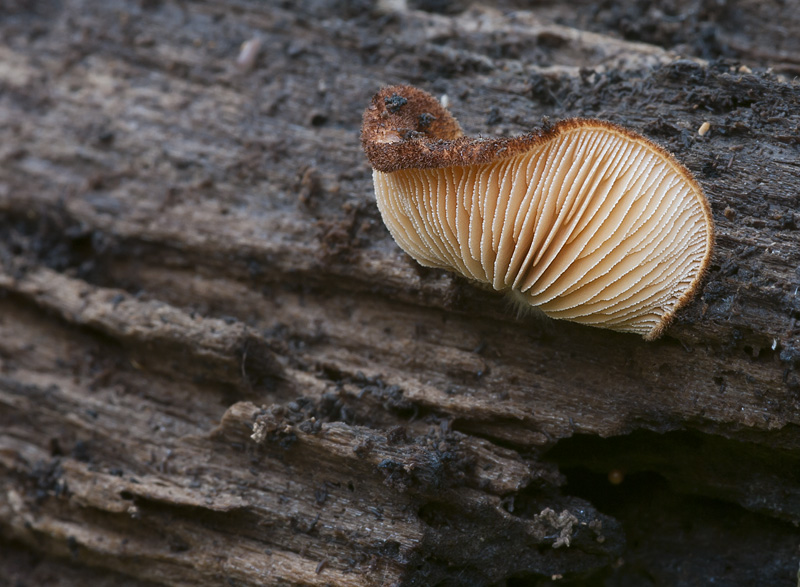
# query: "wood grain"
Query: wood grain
191,254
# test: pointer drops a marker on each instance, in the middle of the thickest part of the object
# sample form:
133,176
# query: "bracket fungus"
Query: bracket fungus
586,221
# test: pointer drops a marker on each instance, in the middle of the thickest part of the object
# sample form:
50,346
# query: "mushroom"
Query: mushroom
586,221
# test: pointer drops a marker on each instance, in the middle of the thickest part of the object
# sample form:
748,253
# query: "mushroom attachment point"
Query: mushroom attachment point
586,221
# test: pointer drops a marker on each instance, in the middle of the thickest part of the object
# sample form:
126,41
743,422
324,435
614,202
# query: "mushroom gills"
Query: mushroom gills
588,222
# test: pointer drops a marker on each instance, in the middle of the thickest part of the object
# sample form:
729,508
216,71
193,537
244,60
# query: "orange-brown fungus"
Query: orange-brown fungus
587,221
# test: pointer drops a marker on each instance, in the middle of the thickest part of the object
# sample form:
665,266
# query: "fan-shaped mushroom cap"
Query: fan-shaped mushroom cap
587,221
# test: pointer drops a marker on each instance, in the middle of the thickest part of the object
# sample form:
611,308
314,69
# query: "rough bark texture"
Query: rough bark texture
217,368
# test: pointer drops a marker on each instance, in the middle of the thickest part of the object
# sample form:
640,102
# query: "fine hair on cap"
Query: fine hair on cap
586,221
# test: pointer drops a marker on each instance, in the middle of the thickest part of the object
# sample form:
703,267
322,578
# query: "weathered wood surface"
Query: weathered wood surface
217,366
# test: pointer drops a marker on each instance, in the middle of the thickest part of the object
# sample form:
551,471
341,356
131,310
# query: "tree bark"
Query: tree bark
216,365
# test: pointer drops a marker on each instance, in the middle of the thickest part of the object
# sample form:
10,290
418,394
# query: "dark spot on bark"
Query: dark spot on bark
73,546
494,117
321,495
318,119
81,451
397,435
439,6
178,544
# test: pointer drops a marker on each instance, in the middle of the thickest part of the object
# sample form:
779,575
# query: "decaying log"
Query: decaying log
216,366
